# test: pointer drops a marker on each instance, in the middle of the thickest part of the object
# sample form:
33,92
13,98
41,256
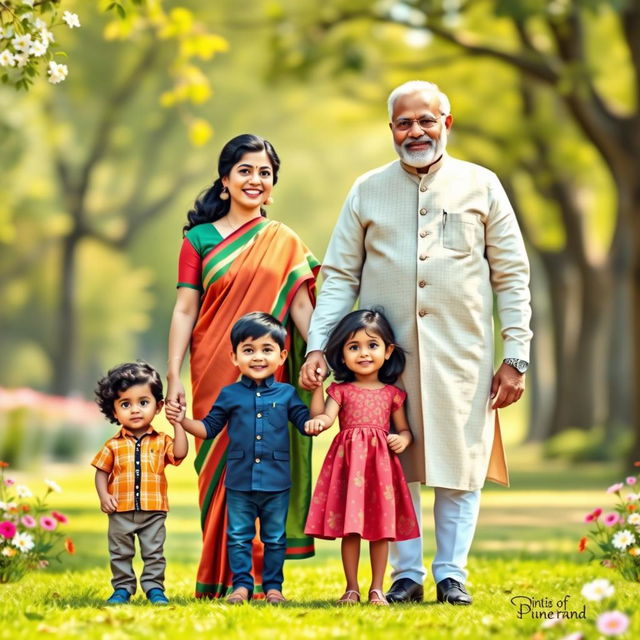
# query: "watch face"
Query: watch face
521,366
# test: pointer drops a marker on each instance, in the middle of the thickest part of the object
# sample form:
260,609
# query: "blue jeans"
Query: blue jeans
243,507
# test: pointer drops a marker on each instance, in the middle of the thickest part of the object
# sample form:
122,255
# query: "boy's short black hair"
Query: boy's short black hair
120,379
369,320
256,325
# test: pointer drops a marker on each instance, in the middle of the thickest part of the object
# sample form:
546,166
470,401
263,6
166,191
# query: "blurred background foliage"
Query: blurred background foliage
96,174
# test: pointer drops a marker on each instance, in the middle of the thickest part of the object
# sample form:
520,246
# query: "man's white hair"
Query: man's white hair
416,86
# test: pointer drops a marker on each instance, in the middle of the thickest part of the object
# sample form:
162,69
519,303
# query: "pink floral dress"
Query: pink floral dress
361,487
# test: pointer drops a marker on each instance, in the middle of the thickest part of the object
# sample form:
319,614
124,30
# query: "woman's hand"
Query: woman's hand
175,397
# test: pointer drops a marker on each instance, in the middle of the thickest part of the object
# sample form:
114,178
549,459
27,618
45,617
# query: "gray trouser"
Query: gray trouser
149,527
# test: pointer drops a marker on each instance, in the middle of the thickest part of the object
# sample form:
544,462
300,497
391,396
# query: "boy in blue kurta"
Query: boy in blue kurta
257,410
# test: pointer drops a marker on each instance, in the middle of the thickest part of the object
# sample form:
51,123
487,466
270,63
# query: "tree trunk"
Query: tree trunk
587,394
65,347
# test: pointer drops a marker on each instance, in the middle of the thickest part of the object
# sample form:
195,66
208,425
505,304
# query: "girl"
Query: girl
361,491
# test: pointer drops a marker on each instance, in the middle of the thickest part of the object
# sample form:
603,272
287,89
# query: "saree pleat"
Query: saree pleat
259,267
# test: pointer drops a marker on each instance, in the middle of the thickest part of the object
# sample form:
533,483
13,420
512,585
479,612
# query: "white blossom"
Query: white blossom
23,541
71,19
3,505
22,59
50,483
29,3
598,589
46,35
22,491
26,17
39,23
38,48
22,42
6,60
634,519
623,539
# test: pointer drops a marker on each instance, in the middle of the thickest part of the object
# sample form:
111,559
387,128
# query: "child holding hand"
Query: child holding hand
130,478
361,490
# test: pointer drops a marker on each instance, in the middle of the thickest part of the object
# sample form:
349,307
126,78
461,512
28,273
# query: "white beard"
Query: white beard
419,159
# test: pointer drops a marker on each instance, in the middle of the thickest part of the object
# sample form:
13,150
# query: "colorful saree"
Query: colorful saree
259,267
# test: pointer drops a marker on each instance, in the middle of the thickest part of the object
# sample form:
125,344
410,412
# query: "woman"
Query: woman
233,261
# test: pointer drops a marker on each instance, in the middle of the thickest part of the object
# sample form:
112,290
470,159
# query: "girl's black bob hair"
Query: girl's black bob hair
372,321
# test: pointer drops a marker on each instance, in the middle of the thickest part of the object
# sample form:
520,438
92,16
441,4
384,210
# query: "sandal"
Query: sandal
273,596
238,596
349,597
380,600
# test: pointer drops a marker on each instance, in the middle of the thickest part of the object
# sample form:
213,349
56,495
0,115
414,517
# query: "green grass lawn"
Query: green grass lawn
526,544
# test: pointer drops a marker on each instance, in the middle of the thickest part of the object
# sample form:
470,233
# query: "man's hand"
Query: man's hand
314,426
507,386
108,503
313,371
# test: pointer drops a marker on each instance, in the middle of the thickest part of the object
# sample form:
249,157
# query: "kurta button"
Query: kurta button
423,212
424,234
423,257
259,415
422,284
258,437
423,188
257,460
422,313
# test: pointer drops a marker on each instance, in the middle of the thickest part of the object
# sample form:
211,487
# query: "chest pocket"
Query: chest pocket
278,416
154,458
459,231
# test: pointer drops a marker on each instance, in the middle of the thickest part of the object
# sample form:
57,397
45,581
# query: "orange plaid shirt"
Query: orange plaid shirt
123,454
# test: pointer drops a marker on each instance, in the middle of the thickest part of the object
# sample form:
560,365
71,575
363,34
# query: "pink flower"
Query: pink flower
594,515
612,623
631,480
607,563
60,517
7,529
9,482
611,518
28,522
614,488
42,564
48,523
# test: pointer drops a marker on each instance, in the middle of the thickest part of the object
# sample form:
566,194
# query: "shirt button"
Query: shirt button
423,212
259,415
423,188
257,460
137,461
423,257
422,313
424,234
258,437
422,284
258,393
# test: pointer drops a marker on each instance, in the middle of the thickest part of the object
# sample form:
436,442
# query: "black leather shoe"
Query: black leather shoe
453,592
405,590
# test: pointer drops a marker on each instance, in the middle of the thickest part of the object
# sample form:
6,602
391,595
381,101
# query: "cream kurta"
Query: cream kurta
431,251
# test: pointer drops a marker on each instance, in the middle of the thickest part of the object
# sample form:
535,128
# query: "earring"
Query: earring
269,200
224,194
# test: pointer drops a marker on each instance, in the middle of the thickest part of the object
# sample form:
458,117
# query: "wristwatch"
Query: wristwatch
519,365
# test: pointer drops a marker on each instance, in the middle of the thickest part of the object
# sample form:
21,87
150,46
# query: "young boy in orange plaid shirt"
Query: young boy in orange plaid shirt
130,477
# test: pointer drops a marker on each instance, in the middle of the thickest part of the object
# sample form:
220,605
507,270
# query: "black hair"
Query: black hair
208,207
123,377
371,320
256,325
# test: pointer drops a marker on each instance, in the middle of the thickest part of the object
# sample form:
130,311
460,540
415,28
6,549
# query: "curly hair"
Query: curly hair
371,320
123,377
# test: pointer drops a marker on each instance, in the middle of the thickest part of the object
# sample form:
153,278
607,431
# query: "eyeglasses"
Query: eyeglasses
426,124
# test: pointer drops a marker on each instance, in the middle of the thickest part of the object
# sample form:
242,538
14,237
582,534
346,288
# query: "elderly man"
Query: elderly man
430,239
